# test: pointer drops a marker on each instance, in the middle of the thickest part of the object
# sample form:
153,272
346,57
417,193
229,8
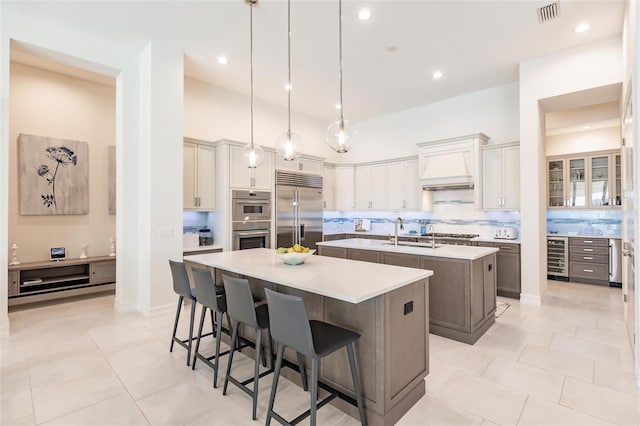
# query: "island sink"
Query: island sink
411,244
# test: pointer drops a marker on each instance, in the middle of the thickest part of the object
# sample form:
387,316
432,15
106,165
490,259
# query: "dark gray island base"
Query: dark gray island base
462,290
392,352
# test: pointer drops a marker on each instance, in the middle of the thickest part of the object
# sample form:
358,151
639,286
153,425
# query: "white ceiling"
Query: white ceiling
477,44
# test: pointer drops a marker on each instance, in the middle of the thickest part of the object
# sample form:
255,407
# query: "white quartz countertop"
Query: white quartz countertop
448,251
483,239
613,237
342,279
202,248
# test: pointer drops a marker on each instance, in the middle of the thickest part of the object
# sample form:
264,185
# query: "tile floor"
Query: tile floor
82,363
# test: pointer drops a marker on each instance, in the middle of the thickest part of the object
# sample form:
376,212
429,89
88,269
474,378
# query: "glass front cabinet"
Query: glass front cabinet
585,181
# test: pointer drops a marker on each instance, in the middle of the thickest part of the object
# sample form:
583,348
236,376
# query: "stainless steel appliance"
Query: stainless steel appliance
251,234
615,260
250,205
298,209
557,257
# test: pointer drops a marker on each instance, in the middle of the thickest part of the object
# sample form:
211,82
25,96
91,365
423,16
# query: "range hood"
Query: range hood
447,171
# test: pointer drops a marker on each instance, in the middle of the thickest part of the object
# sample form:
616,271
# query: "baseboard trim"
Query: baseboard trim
531,299
125,307
158,310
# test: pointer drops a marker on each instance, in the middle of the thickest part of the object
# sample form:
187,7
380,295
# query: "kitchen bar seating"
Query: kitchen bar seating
212,298
182,288
290,327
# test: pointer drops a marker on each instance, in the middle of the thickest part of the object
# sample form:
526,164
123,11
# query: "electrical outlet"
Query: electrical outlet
408,307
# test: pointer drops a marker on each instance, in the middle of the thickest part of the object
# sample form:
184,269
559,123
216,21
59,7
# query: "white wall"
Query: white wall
46,103
212,113
493,112
588,66
607,138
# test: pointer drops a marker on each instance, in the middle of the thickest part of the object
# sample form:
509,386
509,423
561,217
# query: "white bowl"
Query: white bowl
295,258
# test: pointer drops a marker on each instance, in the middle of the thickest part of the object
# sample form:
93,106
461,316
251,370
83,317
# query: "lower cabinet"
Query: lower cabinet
13,283
508,268
365,255
333,237
103,272
339,252
589,260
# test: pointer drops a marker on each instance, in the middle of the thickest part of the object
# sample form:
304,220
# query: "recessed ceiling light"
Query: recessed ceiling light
587,126
338,106
288,87
582,27
364,14
223,60
437,75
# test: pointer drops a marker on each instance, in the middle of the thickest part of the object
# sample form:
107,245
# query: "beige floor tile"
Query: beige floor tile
22,421
525,379
138,356
119,410
15,406
462,356
604,403
614,377
537,324
112,338
486,422
55,401
439,373
610,324
14,378
483,398
149,379
586,348
539,412
46,374
558,362
55,347
431,410
609,337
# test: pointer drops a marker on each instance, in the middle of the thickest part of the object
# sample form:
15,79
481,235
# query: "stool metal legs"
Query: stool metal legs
356,383
187,342
274,386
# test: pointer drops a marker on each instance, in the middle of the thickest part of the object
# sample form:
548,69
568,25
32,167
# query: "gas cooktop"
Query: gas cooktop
447,235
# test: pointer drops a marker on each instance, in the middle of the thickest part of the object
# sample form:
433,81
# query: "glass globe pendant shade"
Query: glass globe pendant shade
340,136
289,146
253,155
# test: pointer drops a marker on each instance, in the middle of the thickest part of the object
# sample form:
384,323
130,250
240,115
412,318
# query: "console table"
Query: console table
39,281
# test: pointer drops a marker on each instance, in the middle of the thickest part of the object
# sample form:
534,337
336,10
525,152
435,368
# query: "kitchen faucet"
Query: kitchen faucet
433,236
398,221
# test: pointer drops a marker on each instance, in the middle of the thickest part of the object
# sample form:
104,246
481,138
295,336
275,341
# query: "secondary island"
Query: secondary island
462,291
388,305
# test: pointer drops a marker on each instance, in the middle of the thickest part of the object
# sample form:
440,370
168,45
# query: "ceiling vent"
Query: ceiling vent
548,12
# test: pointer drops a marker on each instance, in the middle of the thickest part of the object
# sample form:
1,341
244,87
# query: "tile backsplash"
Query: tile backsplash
607,222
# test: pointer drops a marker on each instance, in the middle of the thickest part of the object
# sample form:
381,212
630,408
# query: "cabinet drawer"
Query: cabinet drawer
507,248
589,270
603,251
603,242
589,258
14,287
103,272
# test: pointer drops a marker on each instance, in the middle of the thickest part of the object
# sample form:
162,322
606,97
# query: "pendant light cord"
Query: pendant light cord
251,63
289,65
340,50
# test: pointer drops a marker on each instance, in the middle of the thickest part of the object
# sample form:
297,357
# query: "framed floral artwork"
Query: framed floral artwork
54,176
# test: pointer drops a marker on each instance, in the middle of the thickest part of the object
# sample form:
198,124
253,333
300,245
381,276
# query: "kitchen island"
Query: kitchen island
388,305
462,291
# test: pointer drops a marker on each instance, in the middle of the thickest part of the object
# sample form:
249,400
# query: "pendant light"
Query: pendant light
289,144
253,153
339,133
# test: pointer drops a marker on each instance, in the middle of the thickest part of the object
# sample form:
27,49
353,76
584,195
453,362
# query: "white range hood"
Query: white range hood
448,170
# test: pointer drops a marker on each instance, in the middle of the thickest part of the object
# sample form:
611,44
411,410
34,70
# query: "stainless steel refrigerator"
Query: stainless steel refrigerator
298,209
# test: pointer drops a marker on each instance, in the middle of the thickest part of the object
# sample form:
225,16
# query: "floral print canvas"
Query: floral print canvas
54,176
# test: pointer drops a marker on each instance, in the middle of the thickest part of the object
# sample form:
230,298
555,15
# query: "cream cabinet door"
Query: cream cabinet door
328,188
240,176
396,185
378,187
311,165
344,188
413,190
511,177
189,175
491,179
206,181
363,188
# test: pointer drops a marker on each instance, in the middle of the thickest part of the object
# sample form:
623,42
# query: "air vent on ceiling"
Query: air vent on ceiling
548,12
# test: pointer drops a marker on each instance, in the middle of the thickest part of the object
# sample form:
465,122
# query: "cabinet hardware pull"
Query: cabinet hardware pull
588,270
588,242
587,258
325,204
587,249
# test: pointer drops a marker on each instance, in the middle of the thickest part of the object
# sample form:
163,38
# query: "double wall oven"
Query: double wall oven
251,219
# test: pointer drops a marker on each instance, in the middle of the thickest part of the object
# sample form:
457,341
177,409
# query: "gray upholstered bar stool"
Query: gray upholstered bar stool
290,327
212,298
182,288
241,308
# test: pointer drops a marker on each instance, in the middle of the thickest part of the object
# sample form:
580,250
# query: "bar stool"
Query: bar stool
290,327
241,308
182,288
212,298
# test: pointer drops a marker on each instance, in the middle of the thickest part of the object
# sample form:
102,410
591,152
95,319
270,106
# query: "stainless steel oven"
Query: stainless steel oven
251,205
251,234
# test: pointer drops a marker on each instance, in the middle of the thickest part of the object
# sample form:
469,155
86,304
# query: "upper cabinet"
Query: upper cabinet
371,182
403,189
501,176
240,175
303,164
590,180
329,188
199,176
345,187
